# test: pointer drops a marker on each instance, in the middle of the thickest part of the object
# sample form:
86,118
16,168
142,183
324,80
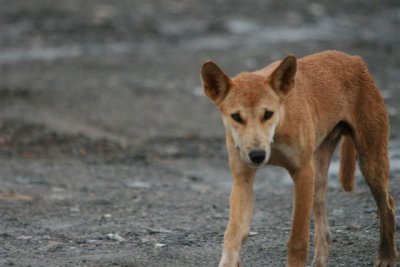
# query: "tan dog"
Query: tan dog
293,114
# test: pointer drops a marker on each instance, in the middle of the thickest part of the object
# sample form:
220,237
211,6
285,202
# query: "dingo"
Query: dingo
293,114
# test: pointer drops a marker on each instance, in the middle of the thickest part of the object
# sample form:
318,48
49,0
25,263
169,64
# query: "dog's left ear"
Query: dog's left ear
282,79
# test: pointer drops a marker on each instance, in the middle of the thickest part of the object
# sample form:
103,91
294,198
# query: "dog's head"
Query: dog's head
250,106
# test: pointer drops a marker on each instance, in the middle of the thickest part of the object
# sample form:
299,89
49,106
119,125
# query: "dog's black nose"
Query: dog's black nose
257,156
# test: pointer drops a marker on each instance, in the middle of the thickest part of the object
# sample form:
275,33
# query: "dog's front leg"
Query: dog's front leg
241,208
303,195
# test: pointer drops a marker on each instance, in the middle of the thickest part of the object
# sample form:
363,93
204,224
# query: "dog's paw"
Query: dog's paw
319,263
385,262
230,260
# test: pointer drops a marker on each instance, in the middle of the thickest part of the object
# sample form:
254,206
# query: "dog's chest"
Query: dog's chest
283,155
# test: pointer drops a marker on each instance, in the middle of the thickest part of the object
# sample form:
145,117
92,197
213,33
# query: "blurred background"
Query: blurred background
129,70
99,95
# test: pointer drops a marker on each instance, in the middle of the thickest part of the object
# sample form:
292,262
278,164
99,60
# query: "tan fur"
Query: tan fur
293,114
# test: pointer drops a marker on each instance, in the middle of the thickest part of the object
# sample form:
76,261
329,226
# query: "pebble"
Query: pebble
155,231
159,245
115,237
137,185
74,209
107,216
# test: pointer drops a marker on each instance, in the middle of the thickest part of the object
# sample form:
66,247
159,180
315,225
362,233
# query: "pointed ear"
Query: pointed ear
282,79
216,83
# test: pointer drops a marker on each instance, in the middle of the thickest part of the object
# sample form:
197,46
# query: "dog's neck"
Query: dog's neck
281,150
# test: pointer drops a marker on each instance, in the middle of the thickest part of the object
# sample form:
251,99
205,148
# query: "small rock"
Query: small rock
137,185
337,211
58,193
159,245
107,216
74,209
195,178
145,239
252,233
155,231
115,237
5,235
171,150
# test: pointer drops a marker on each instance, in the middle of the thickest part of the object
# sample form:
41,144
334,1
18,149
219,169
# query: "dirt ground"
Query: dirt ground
110,154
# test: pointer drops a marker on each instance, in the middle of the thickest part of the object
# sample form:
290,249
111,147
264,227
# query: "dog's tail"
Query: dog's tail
347,163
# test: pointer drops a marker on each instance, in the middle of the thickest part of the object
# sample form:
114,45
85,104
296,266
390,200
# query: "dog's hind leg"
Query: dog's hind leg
322,158
374,165
371,140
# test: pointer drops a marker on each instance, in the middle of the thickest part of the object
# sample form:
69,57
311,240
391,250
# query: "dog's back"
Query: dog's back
332,87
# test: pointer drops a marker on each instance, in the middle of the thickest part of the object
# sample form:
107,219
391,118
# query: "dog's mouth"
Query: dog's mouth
255,166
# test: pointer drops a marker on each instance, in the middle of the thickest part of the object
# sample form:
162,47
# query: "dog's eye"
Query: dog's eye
268,115
236,117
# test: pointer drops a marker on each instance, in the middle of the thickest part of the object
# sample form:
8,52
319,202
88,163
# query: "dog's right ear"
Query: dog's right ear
216,83
282,79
